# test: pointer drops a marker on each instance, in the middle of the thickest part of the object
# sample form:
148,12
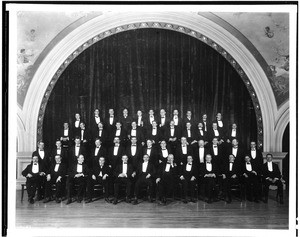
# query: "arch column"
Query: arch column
39,91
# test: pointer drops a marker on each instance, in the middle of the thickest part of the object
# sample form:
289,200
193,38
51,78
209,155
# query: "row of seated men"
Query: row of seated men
147,127
161,180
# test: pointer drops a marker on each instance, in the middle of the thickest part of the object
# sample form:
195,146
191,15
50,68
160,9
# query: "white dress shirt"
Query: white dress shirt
145,165
79,168
215,148
167,169
175,119
270,166
124,168
248,167
66,132
234,151
58,151
111,120
201,132
216,132
96,151
35,168
116,149
230,166
139,121
189,132
233,132
56,167
77,150
208,167
220,123
133,150
253,154
188,167
118,132
201,154
165,153
100,133
133,132
154,131
82,133
162,121
184,149
172,132
97,120
148,151
42,154
151,119
77,123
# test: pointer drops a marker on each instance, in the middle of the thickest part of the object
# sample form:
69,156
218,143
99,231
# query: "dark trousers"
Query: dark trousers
266,185
119,181
252,182
34,184
143,181
227,184
210,187
165,186
90,186
81,181
59,188
187,183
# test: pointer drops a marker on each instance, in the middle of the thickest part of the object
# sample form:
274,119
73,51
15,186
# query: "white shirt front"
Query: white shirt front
220,123
162,121
154,131
77,150
188,167
116,149
148,151
165,153
208,167
35,168
133,150
79,168
139,121
66,132
151,119
100,133
216,132
58,151
270,166
205,127
201,132
118,132
253,154
133,132
124,169
248,167
175,119
167,169
215,148
184,149
172,132
77,123
233,132
111,120
234,151
145,165
97,120
230,166
42,154
189,132
96,151
56,167
201,154
82,133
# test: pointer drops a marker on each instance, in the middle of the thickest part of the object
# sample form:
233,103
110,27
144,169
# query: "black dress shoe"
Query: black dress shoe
31,200
58,200
88,201
185,201
115,201
135,201
46,200
107,200
128,200
69,201
79,200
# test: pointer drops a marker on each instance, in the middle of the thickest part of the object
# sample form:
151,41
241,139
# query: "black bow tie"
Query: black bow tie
208,162
133,145
231,162
125,163
78,146
253,150
189,164
79,164
41,150
34,163
215,146
248,163
98,147
164,149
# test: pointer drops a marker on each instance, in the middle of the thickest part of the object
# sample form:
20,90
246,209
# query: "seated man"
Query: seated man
209,172
123,174
145,174
35,174
78,174
250,178
271,176
187,176
99,175
166,178
231,175
55,175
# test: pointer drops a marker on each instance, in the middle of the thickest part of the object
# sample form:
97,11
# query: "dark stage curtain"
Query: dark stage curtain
150,68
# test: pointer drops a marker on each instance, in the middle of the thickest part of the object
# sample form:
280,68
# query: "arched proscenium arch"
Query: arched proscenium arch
189,23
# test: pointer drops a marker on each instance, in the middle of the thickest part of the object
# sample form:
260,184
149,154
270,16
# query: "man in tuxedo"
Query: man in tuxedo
145,175
42,154
115,153
134,152
209,172
119,132
220,123
182,151
166,179
100,174
125,120
216,132
97,152
256,155
35,174
62,151
151,151
199,153
217,152
189,133
66,136
172,135
78,174
136,132
205,123
201,134
177,120
231,175
271,176
75,151
233,133
100,133
124,174
150,119
189,119
250,177
139,119
76,128
163,152
84,135
96,119
55,175
111,121
154,134
236,150
163,121
188,178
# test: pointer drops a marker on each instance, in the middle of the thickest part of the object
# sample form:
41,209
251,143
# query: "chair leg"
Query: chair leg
22,193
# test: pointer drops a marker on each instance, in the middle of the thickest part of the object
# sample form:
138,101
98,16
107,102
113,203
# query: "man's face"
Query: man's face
118,125
125,111
149,143
101,161
215,141
35,159
162,112
188,125
133,124
146,158
100,125
77,141
154,124
82,125
139,113
208,158
151,112
234,142
172,124
204,117
253,145
163,144
80,159
66,125
58,144
215,126
201,143
77,116
200,125
219,116
175,112
247,158
231,158
183,141
111,112
116,140
234,126
269,158
170,158
133,140
57,159
96,112
97,143
41,145
124,158
189,113
189,159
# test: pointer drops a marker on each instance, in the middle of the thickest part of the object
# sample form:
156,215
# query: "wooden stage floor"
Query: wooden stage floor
176,214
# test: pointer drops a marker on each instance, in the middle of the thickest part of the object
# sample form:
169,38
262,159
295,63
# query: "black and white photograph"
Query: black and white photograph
152,120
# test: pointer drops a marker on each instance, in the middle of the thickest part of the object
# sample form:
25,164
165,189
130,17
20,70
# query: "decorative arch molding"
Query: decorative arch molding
189,23
280,126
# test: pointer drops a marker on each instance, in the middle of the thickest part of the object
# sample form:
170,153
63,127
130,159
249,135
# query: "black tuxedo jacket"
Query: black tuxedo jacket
200,136
86,135
150,170
177,134
156,138
186,120
212,135
139,135
101,153
70,137
72,155
160,157
254,168
148,124
224,128
240,155
122,136
93,124
184,133
258,160
206,125
28,169
161,171
180,157
204,171
103,137
97,168
73,170
134,159
64,155
75,130
126,122
109,126
163,127
220,158
47,158
230,137
153,155
180,122
274,174
196,155
114,160
62,171
188,174
236,169
119,168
